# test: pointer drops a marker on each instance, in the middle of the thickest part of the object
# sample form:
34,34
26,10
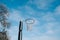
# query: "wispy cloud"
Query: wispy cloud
13,33
41,4
45,26
57,10
48,17
15,15
42,38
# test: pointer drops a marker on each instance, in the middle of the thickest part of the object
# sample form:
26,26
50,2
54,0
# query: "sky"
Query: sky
46,14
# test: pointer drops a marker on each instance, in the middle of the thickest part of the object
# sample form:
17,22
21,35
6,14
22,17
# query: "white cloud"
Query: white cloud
51,28
50,32
44,37
41,4
49,25
13,33
57,10
48,17
25,38
29,10
15,15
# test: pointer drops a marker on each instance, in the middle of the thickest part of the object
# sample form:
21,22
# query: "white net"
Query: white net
29,27
29,23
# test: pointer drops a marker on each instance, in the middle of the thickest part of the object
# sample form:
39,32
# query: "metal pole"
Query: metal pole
20,30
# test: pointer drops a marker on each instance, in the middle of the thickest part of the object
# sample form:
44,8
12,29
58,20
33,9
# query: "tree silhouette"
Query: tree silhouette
3,36
3,16
3,21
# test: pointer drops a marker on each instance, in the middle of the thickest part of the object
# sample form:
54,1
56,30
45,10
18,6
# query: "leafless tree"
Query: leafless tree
3,21
3,16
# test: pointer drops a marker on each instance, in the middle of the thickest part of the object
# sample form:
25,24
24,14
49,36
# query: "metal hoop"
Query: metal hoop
29,21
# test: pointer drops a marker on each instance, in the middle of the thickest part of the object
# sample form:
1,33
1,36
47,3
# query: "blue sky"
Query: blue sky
46,14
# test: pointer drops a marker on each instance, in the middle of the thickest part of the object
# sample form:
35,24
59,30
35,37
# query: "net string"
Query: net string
29,27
